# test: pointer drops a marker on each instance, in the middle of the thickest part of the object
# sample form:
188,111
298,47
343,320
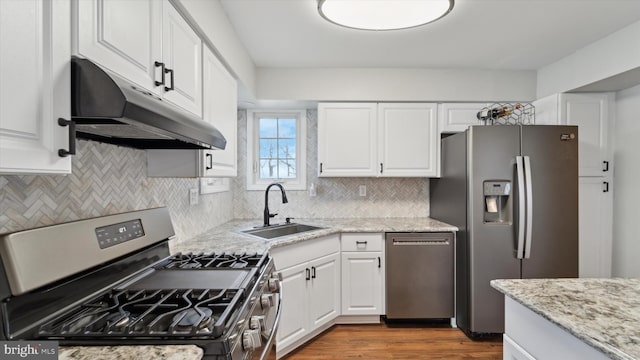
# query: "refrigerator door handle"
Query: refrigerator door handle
529,222
521,206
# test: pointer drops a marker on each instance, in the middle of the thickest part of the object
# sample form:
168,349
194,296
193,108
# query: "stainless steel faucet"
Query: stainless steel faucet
268,215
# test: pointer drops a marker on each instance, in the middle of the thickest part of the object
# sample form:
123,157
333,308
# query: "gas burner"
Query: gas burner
118,320
210,261
173,312
193,318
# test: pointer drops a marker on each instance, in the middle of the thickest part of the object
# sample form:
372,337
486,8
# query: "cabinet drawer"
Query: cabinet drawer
362,241
298,253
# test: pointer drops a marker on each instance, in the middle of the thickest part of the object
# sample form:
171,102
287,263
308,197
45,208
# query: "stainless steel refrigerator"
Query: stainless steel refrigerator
513,193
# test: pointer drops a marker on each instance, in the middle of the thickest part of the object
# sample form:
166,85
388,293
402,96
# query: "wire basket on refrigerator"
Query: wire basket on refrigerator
507,114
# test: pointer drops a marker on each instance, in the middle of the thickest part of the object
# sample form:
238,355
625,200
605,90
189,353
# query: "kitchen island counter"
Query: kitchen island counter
602,313
169,352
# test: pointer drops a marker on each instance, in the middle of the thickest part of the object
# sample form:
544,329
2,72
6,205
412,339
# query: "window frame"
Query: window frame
253,149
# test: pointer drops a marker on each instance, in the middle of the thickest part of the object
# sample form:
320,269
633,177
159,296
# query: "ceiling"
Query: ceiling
477,34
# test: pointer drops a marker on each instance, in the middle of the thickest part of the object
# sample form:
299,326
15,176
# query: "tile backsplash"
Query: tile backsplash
336,197
106,179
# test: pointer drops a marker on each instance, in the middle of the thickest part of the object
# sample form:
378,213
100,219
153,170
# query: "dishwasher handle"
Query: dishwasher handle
420,242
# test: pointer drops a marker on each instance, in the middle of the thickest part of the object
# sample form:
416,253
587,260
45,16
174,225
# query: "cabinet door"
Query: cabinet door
457,117
182,55
220,98
547,110
590,113
362,283
294,320
407,141
123,36
324,298
595,227
347,137
512,351
34,85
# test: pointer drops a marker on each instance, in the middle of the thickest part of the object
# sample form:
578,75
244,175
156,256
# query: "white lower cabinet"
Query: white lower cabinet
362,274
512,351
310,290
595,226
530,336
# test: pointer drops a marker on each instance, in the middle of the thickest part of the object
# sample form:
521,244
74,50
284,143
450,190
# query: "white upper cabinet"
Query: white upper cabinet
144,41
220,109
347,139
369,139
122,36
457,117
34,86
590,112
220,99
407,134
182,57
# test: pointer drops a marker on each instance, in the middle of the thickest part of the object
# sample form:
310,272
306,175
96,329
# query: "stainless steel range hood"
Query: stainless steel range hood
110,109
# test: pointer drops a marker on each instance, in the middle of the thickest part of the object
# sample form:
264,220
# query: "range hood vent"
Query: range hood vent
110,109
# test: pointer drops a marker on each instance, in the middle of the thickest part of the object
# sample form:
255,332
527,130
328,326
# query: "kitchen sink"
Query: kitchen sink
274,231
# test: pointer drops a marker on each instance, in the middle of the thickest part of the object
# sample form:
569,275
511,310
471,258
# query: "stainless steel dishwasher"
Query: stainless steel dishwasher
419,271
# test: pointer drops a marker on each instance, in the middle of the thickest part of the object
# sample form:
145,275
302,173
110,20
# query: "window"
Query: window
276,149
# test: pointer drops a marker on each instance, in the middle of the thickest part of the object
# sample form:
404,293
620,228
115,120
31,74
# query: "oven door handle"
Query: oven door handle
269,343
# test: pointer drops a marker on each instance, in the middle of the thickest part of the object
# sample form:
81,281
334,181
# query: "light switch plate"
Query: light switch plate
193,196
362,190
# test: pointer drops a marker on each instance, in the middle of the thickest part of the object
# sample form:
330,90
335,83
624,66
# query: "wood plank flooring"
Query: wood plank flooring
395,341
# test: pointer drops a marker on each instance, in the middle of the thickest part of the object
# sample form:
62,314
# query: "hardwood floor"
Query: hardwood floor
395,341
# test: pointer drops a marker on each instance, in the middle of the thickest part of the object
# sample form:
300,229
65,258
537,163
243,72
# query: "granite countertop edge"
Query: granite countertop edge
516,289
229,237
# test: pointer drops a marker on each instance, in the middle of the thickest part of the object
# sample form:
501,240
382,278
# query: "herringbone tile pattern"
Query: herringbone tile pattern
337,197
106,179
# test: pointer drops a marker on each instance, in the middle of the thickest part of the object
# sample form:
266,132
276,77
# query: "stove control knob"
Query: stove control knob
277,275
274,284
251,339
266,300
257,322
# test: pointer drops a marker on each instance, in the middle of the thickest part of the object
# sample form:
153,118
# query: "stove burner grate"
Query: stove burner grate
210,261
153,313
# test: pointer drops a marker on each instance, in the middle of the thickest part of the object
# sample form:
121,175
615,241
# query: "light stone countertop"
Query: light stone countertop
169,352
603,313
228,237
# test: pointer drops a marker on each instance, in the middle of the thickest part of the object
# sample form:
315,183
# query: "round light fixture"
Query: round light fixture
383,14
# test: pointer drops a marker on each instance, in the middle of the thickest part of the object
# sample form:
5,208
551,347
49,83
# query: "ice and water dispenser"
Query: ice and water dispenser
497,204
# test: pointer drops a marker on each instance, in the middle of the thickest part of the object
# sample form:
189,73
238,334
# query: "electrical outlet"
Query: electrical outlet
193,196
362,190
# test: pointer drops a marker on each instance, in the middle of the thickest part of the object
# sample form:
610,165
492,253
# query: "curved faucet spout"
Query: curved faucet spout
267,214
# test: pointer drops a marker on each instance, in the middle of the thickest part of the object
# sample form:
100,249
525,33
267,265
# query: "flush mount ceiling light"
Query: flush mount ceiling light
383,14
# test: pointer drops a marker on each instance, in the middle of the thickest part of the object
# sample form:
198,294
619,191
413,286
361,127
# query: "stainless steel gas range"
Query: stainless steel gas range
112,281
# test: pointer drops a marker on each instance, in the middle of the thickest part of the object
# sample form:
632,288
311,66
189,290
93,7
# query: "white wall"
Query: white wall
614,54
626,235
387,84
